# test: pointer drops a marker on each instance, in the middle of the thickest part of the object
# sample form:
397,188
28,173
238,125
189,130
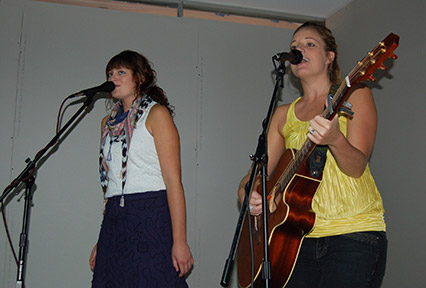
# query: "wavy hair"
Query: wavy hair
143,73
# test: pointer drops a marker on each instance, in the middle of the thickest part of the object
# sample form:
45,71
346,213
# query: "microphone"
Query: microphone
107,87
294,56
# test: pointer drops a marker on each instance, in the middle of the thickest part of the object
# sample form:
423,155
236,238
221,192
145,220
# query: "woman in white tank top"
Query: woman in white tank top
142,242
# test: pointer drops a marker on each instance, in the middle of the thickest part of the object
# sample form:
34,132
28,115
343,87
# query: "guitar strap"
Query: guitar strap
319,155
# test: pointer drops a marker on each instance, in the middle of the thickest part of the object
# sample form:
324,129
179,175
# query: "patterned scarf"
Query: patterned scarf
123,132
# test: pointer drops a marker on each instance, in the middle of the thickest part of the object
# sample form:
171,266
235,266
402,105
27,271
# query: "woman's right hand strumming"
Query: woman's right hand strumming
255,202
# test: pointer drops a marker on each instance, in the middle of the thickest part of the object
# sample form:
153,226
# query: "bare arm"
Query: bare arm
92,258
166,138
103,122
352,152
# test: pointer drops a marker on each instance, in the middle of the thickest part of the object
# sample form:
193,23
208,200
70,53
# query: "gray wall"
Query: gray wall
398,160
217,75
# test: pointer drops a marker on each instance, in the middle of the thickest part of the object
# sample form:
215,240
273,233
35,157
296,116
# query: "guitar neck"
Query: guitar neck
299,157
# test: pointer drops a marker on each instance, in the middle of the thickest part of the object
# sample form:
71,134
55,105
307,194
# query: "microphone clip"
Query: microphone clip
294,56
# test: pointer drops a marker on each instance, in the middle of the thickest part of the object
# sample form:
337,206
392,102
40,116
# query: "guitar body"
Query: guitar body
290,218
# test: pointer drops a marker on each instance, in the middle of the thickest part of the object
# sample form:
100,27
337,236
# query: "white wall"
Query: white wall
398,160
218,76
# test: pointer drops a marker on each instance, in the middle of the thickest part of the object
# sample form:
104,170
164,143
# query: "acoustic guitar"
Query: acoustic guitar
292,187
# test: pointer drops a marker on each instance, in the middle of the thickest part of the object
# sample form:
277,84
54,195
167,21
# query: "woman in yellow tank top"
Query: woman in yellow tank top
347,247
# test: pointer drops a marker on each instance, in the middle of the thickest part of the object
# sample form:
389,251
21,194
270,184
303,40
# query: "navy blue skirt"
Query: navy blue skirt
135,244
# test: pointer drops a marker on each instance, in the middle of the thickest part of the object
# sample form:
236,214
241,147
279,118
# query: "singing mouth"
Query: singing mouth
305,59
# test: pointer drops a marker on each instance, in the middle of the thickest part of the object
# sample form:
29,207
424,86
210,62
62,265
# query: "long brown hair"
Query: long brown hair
143,73
330,46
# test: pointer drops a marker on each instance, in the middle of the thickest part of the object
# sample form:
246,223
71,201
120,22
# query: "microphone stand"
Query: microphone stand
28,178
260,161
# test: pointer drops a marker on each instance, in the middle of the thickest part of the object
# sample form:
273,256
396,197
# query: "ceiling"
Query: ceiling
291,10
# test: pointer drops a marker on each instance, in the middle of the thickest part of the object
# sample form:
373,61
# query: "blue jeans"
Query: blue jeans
355,260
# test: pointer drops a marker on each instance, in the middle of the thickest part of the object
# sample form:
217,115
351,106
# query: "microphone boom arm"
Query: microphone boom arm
27,177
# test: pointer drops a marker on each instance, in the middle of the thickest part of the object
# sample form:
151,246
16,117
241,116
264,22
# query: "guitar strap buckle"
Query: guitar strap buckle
317,160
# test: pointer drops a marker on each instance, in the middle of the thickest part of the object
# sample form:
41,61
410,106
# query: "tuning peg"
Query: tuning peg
393,56
372,79
383,67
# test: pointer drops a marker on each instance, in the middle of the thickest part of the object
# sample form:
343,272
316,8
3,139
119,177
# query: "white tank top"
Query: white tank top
143,166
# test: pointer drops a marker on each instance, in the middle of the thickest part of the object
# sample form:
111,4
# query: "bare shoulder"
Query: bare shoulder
103,122
362,100
280,116
159,116
360,92
159,111
281,110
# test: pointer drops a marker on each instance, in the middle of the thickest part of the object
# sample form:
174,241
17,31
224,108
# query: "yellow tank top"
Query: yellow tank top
342,204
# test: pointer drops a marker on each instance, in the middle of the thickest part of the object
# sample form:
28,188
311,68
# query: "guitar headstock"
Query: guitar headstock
361,72
374,60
